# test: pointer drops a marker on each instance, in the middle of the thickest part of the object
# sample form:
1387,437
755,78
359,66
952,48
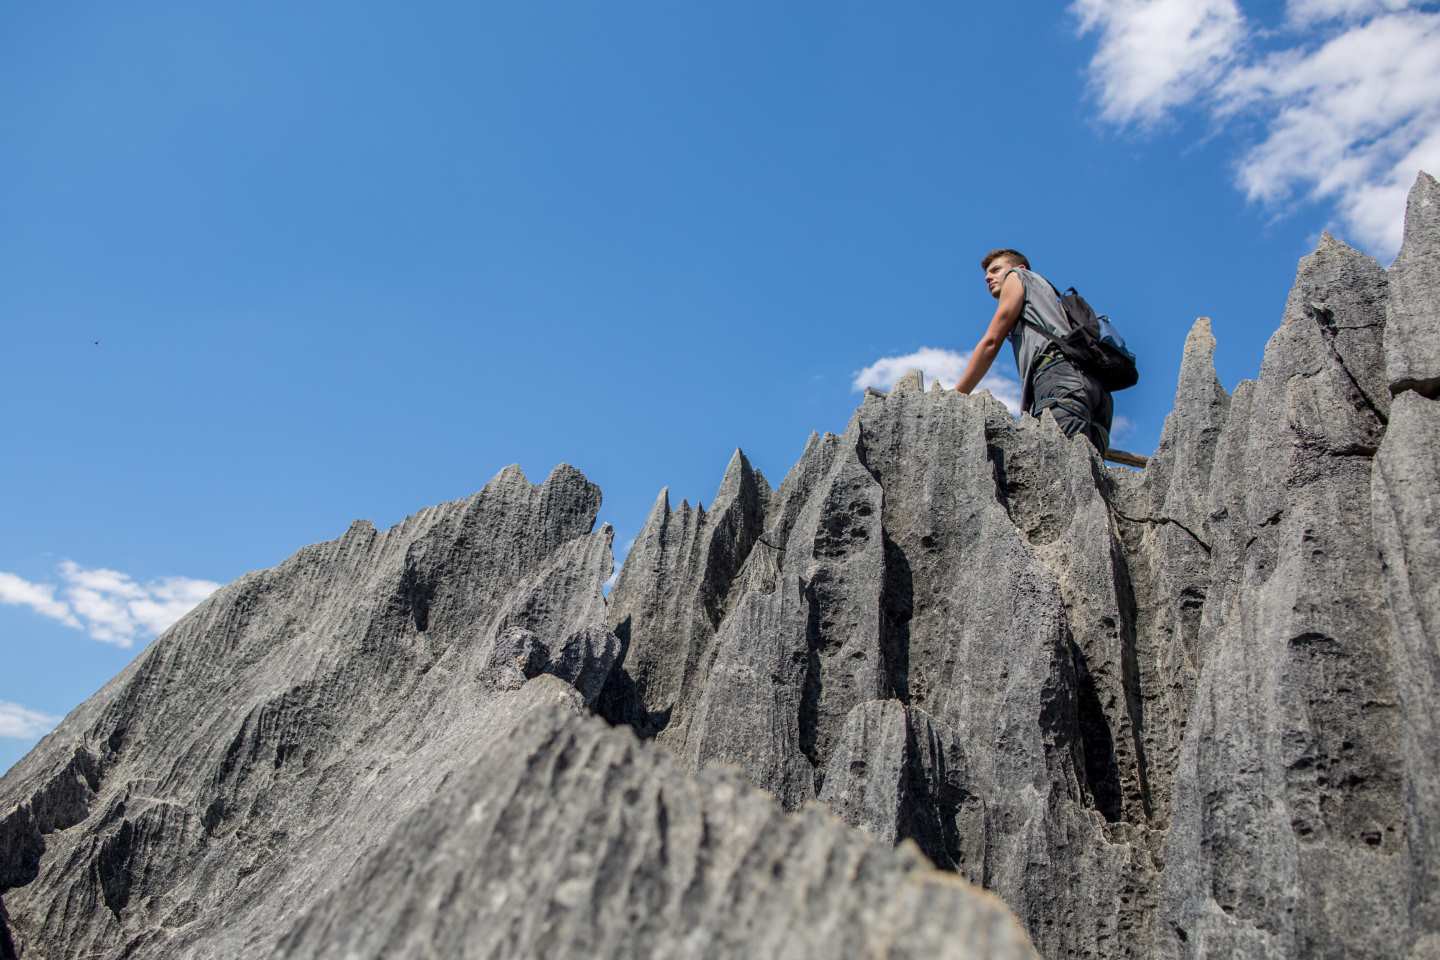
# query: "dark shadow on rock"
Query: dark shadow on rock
7,945
810,691
619,703
932,804
1130,671
113,865
897,601
1102,772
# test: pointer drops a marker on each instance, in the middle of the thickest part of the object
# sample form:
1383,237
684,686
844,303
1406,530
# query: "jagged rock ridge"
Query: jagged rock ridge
394,726
1179,713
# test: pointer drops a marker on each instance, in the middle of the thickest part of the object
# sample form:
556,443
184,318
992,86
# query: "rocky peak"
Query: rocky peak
1187,711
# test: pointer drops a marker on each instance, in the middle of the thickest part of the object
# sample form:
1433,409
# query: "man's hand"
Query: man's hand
1007,314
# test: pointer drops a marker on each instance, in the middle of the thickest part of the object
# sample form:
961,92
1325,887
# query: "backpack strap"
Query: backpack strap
1042,331
1038,328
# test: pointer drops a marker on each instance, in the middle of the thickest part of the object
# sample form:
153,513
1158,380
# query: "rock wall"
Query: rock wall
1183,712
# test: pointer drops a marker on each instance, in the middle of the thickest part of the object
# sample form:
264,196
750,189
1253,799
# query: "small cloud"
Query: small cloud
1121,427
22,723
39,597
946,366
110,606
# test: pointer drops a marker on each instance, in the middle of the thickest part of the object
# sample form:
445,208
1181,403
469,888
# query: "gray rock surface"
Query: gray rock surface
1412,328
1179,712
1286,825
575,840
1187,712
250,756
1406,502
406,711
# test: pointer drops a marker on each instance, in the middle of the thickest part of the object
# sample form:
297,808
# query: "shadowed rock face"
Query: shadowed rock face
1185,712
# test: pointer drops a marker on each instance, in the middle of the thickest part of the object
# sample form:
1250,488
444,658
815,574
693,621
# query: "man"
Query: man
1051,382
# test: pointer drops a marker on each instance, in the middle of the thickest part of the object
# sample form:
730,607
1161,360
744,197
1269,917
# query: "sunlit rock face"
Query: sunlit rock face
1189,711
1182,712
384,747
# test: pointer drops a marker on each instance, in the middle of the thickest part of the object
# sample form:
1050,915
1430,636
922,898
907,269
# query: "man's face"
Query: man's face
995,274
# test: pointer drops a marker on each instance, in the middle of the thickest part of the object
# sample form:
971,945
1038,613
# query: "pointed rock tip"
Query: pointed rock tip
738,462
1333,245
1201,337
1422,218
1197,366
509,474
564,471
912,380
736,473
660,507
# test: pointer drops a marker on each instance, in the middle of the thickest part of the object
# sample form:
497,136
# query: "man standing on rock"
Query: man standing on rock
1030,304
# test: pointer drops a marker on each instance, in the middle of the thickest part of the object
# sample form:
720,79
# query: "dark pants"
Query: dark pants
1076,400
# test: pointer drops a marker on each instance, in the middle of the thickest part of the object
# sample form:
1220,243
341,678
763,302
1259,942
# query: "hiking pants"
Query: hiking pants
1077,402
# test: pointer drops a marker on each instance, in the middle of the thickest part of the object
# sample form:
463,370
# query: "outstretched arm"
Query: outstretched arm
1007,314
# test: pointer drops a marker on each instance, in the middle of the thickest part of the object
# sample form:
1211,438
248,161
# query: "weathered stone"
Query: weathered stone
1164,520
246,760
1412,328
578,841
890,776
749,712
1406,502
669,600
1287,818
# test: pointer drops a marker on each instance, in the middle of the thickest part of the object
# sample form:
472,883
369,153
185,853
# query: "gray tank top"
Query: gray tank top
1042,306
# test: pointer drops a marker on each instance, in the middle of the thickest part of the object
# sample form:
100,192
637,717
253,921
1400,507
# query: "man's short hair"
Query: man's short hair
1015,257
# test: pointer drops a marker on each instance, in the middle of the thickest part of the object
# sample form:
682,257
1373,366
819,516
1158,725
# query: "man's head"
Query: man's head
997,263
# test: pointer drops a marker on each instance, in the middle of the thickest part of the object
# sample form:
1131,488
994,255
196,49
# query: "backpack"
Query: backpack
1093,344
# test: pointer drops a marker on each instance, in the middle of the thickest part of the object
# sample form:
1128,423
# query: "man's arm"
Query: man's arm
1007,314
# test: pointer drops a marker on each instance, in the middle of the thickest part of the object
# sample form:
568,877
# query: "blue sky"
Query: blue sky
270,268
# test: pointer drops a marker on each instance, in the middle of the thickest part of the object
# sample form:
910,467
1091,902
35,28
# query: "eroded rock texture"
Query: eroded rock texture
576,840
1185,712
381,748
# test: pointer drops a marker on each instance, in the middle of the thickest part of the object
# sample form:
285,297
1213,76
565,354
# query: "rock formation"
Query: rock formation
382,748
1183,712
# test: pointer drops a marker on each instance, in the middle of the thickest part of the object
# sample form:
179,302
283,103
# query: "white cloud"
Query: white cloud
1349,112
108,605
1309,12
945,366
21,723
1353,121
39,597
1157,54
1121,427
